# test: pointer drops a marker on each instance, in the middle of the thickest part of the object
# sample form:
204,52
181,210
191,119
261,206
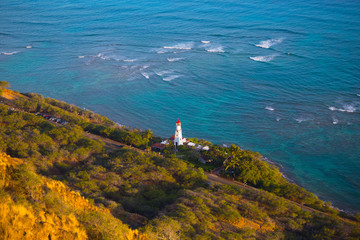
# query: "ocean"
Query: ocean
278,77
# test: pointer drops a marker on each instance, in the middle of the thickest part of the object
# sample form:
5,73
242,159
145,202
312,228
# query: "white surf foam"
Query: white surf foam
146,75
269,108
263,58
182,46
9,53
278,119
28,46
102,56
335,121
269,43
358,94
81,56
205,42
346,108
170,78
129,60
174,59
162,73
301,119
218,49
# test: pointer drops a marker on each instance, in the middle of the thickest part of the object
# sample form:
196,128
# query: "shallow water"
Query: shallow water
281,78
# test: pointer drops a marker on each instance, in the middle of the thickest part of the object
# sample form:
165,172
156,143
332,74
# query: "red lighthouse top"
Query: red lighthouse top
178,121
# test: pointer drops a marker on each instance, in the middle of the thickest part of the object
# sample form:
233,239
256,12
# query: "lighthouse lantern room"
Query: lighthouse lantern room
178,140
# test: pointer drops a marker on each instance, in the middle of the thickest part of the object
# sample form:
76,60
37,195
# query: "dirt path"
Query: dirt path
212,178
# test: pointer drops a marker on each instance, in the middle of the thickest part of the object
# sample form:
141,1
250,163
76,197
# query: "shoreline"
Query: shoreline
283,173
281,168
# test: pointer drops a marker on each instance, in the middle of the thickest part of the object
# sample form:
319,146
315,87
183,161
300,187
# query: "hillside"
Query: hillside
57,180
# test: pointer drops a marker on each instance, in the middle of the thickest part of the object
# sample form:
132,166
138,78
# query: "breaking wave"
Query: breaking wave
102,56
170,78
182,46
335,121
346,108
129,60
174,59
269,43
163,73
145,74
263,58
9,53
218,49
302,119
269,108
205,42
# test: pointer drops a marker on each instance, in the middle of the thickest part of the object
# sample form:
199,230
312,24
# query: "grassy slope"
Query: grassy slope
164,198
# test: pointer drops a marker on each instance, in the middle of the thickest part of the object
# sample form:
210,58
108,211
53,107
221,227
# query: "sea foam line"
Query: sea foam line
346,108
145,74
174,59
269,43
269,108
9,53
218,49
302,119
263,58
162,73
170,78
182,46
129,60
335,121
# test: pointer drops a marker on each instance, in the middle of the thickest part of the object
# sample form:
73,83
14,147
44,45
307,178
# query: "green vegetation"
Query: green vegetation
248,167
162,197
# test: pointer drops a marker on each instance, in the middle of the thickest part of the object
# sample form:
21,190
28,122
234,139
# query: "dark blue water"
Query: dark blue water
278,77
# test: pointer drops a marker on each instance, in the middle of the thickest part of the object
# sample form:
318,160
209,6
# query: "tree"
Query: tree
4,84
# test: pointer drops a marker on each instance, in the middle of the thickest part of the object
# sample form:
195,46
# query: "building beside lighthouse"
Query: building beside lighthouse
178,139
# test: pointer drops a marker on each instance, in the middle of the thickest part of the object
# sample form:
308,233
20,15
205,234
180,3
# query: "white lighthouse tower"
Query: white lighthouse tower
178,140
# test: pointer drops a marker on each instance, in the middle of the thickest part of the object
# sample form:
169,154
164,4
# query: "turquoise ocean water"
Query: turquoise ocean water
278,77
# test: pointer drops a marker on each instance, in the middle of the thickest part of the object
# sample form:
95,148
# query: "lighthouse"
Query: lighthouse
178,140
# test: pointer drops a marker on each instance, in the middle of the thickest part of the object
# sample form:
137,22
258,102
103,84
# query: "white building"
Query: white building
178,140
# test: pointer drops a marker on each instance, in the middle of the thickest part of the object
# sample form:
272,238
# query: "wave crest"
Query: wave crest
269,43
269,108
174,59
263,58
9,53
170,78
182,46
335,121
218,49
346,108
302,119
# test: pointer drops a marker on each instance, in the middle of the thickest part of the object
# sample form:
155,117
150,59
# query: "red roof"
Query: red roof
172,138
178,121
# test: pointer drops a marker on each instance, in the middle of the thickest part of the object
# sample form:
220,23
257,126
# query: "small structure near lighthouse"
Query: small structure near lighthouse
178,139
